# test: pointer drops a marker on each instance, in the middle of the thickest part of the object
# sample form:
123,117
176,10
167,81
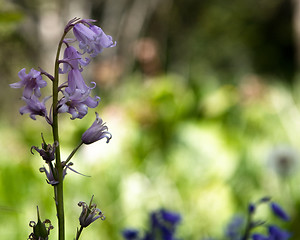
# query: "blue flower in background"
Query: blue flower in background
274,233
235,228
162,227
279,212
130,234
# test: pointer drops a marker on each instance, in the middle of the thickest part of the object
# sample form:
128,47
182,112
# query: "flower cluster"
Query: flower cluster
273,231
76,97
163,225
240,229
32,83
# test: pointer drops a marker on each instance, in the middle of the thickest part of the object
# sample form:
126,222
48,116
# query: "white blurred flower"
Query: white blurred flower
283,159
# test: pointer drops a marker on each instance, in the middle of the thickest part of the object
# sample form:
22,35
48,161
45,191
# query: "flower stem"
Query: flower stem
248,227
58,189
72,153
79,232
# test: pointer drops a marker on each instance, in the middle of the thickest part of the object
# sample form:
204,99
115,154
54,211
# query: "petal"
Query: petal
17,84
92,102
22,74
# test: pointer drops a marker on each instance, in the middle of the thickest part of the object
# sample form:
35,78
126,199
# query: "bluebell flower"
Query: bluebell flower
32,83
76,81
73,60
77,104
163,223
91,38
130,234
89,213
235,228
35,107
96,132
279,212
257,236
276,233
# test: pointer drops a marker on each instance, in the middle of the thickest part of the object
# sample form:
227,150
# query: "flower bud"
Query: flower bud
41,230
47,151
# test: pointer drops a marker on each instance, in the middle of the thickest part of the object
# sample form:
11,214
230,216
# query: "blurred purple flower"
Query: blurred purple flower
165,222
277,233
130,234
279,212
91,38
257,236
251,208
32,82
234,229
163,226
96,132
274,233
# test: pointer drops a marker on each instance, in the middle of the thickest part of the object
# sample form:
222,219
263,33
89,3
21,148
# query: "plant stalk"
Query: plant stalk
58,189
79,232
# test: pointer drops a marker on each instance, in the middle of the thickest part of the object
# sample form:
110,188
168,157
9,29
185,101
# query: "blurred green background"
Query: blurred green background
202,100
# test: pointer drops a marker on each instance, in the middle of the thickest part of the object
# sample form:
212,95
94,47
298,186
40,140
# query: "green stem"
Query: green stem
58,189
78,233
72,153
248,227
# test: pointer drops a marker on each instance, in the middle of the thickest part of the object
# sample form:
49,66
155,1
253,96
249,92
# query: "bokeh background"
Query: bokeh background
202,99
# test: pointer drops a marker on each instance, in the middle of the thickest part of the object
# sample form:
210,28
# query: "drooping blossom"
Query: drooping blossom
32,83
73,60
35,107
89,213
97,131
91,38
76,81
77,104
